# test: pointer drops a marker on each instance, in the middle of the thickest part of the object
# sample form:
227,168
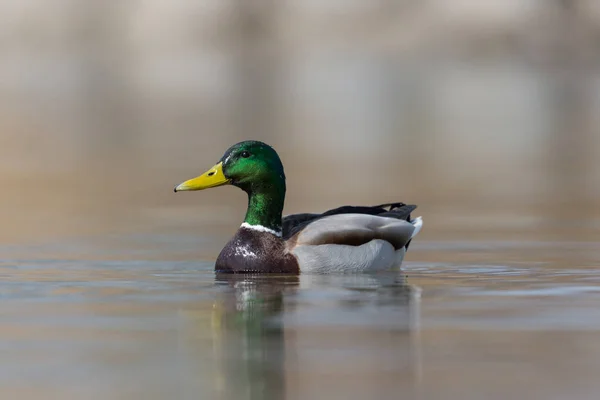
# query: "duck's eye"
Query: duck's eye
245,154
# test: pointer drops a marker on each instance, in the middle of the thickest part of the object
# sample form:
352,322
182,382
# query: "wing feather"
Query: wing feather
294,223
355,230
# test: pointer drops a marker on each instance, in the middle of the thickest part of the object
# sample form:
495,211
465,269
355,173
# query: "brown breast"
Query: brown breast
252,251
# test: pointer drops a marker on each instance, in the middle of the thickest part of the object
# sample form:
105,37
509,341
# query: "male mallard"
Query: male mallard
345,239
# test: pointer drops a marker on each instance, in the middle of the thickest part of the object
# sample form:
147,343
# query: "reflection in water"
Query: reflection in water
251,336
259,352
360,341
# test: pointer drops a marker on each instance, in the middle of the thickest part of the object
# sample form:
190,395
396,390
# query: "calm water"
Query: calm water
466,320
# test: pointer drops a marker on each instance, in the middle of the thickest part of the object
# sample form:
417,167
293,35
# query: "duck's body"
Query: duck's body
345,239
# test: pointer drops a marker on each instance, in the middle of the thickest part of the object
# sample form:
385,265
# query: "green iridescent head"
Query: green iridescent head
254,167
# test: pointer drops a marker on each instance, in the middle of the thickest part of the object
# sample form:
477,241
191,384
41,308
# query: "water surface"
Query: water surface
101,325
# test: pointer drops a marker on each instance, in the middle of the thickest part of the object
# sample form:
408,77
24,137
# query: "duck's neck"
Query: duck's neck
265,205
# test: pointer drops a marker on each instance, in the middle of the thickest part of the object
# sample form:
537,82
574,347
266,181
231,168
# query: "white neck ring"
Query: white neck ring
261,228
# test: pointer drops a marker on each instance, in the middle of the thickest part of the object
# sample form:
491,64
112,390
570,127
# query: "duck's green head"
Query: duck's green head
250,165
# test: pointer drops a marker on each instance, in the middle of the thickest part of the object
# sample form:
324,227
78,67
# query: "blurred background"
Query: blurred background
484,113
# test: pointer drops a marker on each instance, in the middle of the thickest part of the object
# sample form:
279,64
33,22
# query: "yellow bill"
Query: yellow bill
211,178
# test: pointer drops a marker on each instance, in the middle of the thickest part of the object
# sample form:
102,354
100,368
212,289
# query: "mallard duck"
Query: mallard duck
344,239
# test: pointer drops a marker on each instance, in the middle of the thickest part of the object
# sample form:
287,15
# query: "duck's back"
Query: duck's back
294,223
352,239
